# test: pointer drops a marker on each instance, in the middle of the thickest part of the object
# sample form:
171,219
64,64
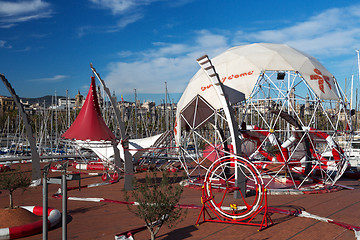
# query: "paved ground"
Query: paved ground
93,220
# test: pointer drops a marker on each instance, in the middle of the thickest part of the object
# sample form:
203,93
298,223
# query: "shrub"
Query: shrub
156,202
12,180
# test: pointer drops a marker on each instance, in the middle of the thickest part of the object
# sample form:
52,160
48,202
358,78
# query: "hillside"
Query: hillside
41,100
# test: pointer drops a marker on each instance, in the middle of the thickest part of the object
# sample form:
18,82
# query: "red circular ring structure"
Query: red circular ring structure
216,179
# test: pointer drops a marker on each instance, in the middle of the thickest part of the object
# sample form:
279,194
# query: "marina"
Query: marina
262,149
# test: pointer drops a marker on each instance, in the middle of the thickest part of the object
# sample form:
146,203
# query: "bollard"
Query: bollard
64,200
63,181
45,201
64,205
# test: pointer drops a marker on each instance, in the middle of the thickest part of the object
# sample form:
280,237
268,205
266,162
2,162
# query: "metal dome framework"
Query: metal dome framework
290,124
291,134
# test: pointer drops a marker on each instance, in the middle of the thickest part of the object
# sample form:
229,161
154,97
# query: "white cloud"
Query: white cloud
56,78
82,31
21,7
122,23
332,33
121,6
206,39
10,25
116,6
126,12
22,11
125,54
172,63
167,49
149,77
331,36
3,44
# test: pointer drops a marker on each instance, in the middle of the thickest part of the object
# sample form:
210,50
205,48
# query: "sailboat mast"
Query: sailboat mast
165,109
56,120
67,109
135,120
351,92
356,109
358,62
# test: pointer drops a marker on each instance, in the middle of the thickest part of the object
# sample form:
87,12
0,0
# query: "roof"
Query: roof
89,124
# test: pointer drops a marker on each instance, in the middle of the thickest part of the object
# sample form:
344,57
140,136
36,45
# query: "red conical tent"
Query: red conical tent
89,124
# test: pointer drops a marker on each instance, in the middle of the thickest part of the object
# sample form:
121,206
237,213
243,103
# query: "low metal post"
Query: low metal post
45,208
63,182
45,202
240,182
64,206
64,201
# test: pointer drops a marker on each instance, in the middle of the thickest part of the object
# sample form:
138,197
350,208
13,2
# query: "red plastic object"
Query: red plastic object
115,176
31,228
104,177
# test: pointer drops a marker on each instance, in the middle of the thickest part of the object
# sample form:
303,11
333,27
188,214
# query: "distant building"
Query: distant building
79,100
6,104
148,106
64,103
127,109
28,108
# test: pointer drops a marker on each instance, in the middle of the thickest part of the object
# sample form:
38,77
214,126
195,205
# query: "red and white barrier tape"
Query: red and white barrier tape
96,166
128,234
88,186
305,214
59,196
73,172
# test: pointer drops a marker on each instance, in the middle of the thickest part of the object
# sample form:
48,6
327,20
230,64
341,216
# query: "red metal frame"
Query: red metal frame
265,222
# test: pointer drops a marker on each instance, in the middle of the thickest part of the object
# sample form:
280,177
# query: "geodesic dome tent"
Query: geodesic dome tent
289,110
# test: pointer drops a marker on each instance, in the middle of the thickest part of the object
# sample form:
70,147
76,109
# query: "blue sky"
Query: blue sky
47,46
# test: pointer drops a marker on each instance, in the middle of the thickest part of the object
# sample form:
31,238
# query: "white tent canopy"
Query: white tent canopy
239,69
105,151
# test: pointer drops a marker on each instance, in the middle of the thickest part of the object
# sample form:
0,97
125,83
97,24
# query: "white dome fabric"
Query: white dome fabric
239,69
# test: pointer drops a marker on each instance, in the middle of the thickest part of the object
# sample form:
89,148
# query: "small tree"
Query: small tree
13,180
157,202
